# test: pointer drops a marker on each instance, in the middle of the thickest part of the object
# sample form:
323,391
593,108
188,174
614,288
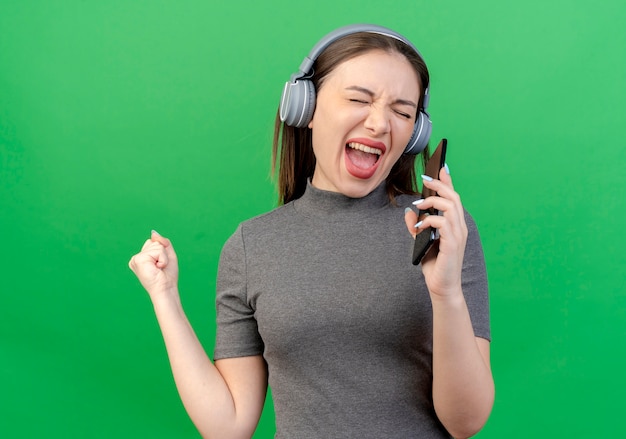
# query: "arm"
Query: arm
463,388
224,400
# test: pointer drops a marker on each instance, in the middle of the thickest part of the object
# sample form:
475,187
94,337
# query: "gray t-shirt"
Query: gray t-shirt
324,288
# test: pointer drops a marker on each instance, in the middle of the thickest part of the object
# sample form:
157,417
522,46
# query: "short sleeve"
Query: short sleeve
237,331
475,284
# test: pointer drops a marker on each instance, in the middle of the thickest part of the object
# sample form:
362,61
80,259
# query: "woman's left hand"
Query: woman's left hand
442,270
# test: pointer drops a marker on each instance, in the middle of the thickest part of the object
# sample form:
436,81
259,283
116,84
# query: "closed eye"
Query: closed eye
403,114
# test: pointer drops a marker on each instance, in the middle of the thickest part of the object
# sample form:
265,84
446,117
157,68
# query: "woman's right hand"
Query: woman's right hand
156,266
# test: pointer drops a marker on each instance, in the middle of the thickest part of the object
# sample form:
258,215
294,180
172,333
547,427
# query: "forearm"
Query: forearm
463,388
202,389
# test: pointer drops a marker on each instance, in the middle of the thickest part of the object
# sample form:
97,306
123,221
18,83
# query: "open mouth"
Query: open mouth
362,160
362,156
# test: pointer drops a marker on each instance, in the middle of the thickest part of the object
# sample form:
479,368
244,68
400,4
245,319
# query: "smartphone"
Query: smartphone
427,240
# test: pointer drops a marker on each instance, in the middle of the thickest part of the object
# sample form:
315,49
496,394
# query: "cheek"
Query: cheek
329,130
403,135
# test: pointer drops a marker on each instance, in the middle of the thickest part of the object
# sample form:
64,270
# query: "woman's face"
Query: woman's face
364,117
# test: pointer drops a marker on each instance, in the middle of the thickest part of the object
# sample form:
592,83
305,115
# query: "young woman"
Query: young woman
319,296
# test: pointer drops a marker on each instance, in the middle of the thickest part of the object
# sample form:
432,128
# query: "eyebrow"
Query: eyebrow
371,94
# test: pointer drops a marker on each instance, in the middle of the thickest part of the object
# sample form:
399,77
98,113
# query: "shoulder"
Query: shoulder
264,226
266,222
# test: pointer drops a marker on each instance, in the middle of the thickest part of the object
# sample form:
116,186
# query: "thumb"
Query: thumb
410,218
156,237
170,254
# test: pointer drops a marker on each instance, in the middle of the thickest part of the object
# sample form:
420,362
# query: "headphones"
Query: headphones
297,102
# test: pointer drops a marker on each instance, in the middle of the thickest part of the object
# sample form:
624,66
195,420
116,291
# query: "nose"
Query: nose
377,120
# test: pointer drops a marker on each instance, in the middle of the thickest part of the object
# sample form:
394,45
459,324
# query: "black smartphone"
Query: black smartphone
427,240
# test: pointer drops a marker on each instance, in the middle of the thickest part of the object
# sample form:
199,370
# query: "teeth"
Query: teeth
364,148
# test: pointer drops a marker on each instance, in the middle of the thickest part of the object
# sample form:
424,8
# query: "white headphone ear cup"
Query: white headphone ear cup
297,103
421,134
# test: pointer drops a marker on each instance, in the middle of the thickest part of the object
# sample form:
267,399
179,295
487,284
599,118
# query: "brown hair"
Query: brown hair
292,151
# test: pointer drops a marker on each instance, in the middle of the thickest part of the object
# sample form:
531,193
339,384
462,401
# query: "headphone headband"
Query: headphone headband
307,63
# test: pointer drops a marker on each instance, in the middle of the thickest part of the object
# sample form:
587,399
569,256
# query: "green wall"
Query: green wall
122,116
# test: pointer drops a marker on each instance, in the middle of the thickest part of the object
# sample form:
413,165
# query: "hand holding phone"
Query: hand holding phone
427,240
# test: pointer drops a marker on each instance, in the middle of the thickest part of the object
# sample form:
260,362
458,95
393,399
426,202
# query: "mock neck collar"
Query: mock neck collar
318,202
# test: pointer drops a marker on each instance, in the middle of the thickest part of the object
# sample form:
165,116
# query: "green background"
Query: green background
119,117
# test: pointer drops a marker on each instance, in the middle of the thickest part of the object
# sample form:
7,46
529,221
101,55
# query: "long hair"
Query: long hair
292,151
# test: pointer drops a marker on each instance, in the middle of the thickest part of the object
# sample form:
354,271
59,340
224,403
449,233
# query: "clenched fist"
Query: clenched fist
156,266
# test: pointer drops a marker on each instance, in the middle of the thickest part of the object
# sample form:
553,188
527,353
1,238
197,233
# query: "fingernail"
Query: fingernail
417,226
156,233
407,210
446,168
417,202
426,178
